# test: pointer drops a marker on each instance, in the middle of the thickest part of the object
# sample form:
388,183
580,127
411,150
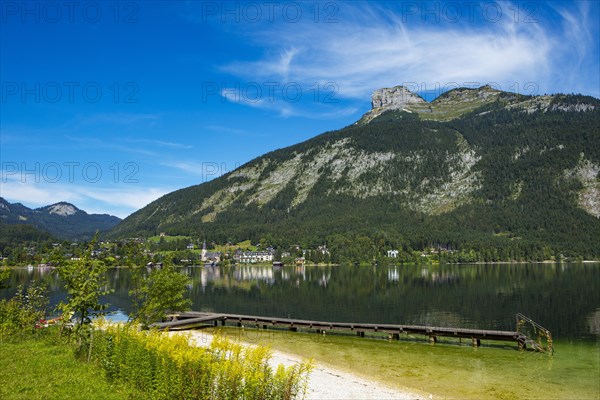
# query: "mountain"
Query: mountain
62,220
474,169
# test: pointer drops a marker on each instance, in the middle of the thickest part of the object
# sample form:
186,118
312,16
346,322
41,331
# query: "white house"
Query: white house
251,257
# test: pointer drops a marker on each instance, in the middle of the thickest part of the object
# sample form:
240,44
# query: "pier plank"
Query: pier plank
194,319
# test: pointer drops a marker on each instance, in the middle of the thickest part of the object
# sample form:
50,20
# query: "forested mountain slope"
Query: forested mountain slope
62,220
474,169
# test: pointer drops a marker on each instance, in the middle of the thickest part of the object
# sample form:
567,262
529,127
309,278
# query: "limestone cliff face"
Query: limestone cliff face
395,98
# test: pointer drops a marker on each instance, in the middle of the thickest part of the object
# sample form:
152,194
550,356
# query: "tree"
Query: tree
85,282
24,310
132,249
4,275
161,292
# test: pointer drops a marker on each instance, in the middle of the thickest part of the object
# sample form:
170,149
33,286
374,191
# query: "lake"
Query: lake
563,298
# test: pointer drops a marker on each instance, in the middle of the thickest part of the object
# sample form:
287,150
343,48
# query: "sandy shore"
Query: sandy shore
326,382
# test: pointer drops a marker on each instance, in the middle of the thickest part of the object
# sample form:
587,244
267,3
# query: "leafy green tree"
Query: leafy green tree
24,310
4,275
161,292
85,282
34,301
131,251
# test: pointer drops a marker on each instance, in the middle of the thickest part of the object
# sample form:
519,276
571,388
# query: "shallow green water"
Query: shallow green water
563,298
450,370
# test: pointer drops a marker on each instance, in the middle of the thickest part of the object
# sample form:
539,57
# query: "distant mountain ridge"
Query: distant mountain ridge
474,168
63,220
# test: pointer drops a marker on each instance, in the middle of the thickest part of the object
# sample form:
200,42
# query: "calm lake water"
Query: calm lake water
563,298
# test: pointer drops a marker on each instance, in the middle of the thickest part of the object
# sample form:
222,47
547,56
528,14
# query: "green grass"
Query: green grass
245,245
38,369
447,369
169,253
156,239
445,111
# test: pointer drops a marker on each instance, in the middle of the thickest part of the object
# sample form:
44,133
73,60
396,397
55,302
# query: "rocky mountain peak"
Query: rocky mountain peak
457,102
62,219
395,98
62,209
4,204
483,93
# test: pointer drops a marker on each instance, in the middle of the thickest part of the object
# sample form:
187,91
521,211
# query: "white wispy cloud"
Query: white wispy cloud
129,199
273,65
371,47
114,118
190,167
206,170
226,129
116,200
286,109
578,49
100,143
257,99
159,143
234,131
244,97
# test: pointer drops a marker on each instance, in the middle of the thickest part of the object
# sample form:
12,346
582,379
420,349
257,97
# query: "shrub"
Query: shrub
23,312
160,292
169,367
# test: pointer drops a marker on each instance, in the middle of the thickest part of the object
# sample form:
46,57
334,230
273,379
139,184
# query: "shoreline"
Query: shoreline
325,382
548,262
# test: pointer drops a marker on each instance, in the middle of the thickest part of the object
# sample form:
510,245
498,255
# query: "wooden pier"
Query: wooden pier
194,320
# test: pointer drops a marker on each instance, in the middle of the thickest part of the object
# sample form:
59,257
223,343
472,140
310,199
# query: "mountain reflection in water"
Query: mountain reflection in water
563,298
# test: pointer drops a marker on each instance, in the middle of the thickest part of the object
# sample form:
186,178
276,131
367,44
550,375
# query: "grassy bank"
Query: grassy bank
39,369
131,364
495,371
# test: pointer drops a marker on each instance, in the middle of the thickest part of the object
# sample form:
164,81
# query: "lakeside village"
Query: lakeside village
186,251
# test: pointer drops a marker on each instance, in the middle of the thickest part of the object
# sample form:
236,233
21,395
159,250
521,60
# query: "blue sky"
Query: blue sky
110,105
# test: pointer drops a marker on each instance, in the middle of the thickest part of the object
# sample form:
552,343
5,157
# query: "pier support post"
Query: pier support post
476,342
432,339
396,336
360,333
